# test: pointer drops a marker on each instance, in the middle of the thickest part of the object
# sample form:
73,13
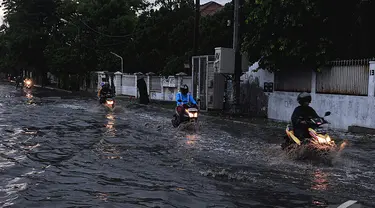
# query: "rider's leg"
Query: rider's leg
180,111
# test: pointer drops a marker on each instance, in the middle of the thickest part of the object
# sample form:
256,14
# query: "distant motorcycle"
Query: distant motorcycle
28,83
108,101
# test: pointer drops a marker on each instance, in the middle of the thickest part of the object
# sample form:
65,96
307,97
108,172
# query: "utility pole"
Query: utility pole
237,42
196,27
195,44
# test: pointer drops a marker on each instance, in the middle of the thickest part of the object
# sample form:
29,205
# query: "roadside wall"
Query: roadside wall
347,110
254,99
158,87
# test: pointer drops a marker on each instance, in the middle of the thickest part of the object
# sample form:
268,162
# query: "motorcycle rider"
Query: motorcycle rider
186,98
103,92
301,114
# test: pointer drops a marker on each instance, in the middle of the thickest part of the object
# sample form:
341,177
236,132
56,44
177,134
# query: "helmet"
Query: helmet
184,89
304,97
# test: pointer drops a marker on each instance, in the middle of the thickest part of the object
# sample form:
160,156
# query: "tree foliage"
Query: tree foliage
70,37
308,33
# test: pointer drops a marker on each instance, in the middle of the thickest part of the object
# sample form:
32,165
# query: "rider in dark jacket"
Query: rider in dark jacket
301,114
105,91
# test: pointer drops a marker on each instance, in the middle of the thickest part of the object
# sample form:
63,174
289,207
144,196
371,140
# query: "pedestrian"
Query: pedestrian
143,95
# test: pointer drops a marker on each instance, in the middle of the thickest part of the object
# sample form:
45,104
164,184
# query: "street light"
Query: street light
122,61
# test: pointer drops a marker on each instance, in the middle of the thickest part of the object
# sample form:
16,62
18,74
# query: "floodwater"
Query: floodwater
57,152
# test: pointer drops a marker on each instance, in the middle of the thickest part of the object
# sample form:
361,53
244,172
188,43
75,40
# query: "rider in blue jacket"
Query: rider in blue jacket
185,97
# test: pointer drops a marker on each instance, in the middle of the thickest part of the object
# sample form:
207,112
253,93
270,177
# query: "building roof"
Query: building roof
210,8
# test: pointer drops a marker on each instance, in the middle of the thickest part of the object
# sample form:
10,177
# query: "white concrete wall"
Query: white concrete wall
127,85
156,96
260,74
117,81
129,90
170,93
346,110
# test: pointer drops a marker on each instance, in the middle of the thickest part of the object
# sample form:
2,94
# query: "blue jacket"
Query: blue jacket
185,99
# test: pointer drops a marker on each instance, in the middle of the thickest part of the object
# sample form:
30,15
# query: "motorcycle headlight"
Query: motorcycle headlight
109,102
193,114
324,139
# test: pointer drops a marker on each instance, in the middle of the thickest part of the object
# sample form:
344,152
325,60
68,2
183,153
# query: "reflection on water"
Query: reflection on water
191,139
320,181
102,196
106,149
317,203
29,96
110,125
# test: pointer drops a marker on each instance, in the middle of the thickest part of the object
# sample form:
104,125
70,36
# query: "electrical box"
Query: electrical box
224,61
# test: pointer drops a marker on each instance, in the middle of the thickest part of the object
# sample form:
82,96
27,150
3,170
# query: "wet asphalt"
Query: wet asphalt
57,150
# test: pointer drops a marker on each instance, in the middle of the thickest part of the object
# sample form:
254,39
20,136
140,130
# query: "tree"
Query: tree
29,24
306,33
165,36
215,30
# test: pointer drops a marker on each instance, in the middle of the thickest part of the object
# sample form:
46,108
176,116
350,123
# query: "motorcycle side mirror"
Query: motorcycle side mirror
327,113
179,100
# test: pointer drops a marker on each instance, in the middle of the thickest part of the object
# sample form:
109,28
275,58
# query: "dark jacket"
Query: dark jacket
302,113
105,91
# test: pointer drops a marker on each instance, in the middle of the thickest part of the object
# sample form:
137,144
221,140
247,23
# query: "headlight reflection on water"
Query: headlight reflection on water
319,181
191,139
110,125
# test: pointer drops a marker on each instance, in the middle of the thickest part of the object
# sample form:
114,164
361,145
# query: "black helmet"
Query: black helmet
304,97
184,89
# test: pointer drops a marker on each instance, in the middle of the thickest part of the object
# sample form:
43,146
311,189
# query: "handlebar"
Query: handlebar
309,121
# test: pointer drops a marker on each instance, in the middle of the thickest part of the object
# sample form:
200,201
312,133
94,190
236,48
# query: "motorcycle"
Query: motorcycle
190,116
319,144
28,83
109,102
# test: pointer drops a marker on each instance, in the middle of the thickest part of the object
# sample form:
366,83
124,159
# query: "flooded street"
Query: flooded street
73,153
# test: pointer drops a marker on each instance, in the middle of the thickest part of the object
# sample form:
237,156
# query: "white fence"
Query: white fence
129,85
347,77
159,87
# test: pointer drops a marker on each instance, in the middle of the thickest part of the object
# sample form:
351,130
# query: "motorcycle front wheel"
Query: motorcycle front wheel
175,123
